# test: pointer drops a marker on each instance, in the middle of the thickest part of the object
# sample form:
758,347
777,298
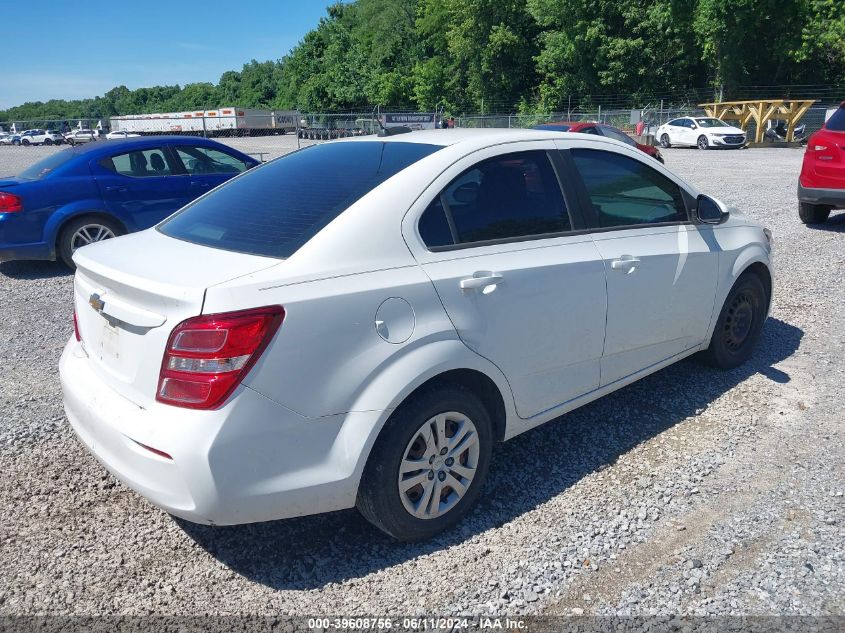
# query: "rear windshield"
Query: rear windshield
46,166
274,209
837,121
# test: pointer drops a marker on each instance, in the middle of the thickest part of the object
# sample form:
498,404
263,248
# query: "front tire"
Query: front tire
739,324
83,231
813,213
664,140
25,141
429,464
703,143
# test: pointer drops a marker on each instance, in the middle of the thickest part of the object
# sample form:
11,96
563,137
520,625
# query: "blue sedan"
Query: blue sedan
101,190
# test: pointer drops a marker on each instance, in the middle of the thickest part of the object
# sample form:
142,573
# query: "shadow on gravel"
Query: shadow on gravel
836,223
34,270
531,469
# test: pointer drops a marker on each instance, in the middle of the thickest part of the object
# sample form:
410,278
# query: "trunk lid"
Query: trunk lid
129,294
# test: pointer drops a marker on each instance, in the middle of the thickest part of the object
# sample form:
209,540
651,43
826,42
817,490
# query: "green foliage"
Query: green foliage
529,56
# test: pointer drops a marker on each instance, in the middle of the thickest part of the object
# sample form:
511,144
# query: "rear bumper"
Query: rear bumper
252,460
38,250
15,231
832,197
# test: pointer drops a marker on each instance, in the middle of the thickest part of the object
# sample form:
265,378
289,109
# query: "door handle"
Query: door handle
481,279
628,263
200,185
118,188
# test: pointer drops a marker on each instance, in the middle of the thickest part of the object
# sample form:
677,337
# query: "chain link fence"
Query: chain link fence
622,111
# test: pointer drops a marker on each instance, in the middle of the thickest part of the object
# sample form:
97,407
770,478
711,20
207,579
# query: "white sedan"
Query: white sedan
275,349
701,132
113,135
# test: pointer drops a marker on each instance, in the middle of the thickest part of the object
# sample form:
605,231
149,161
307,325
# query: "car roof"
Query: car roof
455,136
567,124
108,146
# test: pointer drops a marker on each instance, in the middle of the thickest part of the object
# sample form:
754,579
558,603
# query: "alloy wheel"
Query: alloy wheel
438,465
88,234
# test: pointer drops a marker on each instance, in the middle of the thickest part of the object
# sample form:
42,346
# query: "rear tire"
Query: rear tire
664,140
702,142
73,235
739,324
413,434
813,213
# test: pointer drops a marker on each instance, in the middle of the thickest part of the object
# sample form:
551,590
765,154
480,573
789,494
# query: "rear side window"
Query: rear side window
508,196
624,191
836,122
274,209
139,163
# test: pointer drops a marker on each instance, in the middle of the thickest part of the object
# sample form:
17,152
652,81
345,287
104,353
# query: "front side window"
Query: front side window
145,163
207,160
513,195
623,191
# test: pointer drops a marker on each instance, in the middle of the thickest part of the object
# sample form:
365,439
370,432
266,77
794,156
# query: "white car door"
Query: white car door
690,132
671,129
494,234
661,269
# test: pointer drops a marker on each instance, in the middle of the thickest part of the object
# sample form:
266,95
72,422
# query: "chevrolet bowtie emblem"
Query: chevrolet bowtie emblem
95,302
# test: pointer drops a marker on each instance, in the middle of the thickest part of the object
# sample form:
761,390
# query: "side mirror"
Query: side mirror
710,211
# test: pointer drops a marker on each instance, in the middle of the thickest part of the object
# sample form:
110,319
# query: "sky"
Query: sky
72,50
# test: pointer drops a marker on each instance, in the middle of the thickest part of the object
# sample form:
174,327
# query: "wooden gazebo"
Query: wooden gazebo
790,110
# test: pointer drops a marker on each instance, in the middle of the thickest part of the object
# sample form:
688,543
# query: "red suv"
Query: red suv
821,186
599,129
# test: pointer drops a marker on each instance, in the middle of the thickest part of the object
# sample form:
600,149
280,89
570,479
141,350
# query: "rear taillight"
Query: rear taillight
76,327
208,356
10,203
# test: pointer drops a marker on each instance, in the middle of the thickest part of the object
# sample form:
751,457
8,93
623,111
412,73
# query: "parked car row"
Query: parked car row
49,137
366,343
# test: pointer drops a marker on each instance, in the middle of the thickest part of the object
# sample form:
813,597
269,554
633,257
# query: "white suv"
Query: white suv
41,137
275,349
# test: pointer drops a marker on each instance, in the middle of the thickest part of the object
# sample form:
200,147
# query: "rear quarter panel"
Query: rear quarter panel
328,357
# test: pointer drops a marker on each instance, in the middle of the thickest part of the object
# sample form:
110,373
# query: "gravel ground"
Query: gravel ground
694,491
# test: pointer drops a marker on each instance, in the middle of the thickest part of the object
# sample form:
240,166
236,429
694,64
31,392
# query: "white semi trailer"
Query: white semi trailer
222,121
